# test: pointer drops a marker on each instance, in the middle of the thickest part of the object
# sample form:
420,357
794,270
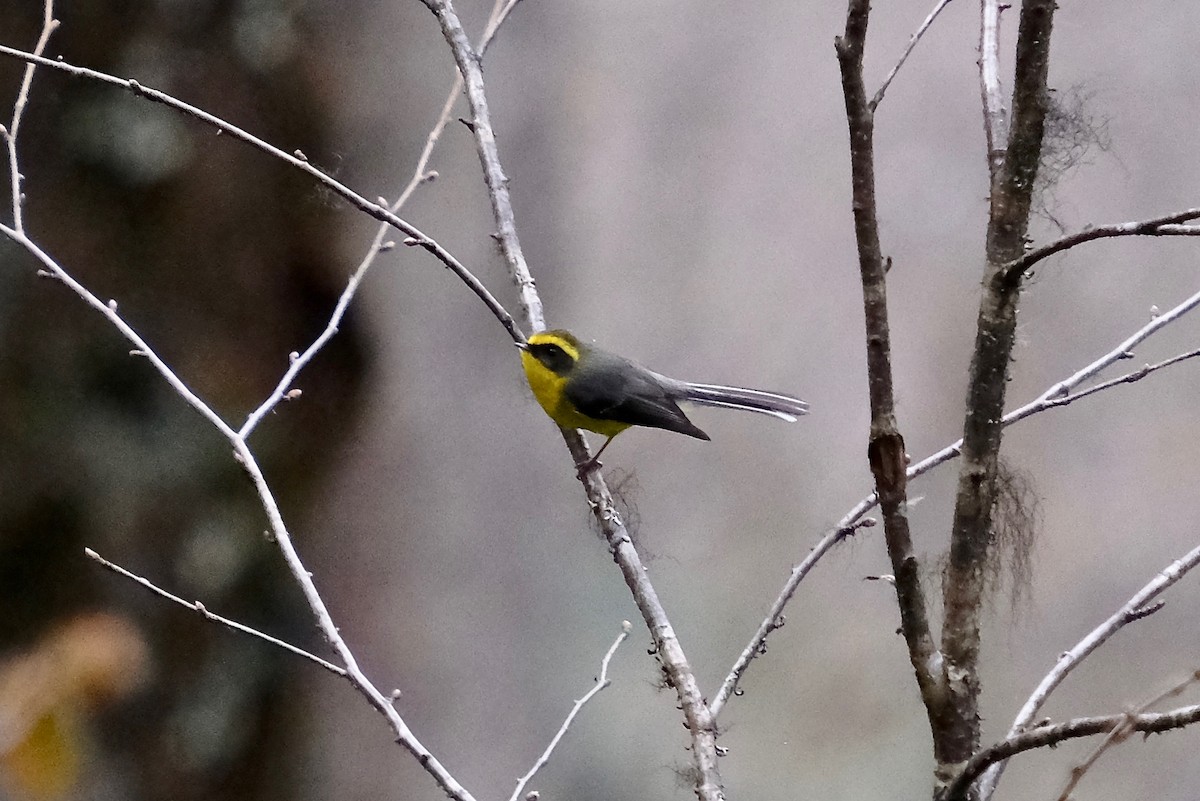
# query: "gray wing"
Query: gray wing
613,388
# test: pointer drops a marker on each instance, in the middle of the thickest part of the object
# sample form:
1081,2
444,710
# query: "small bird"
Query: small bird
581,386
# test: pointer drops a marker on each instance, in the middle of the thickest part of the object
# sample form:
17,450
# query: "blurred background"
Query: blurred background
681,187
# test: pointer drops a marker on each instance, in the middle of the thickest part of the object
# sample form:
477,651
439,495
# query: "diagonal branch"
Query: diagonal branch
196,606
1159,226
601,684
912,45
380,211
469,65
421,174
1049,735
1132,610
1120,734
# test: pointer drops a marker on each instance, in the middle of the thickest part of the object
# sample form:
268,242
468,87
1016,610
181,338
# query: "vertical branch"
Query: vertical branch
9,134
995,116
971,532
885,448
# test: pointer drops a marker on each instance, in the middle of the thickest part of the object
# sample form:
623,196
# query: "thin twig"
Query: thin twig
1071,659
299,361
912,44
380,211
775,619
1120,734
421,174
1050,735
1057,395
1167,225
602,682
9,134
196,606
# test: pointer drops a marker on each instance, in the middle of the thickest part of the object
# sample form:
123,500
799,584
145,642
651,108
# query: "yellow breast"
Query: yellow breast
548,388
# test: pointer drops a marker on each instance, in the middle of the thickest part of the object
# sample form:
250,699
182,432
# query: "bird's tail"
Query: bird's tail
785,407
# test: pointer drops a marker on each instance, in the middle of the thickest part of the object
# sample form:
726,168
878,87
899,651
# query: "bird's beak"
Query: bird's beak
522,345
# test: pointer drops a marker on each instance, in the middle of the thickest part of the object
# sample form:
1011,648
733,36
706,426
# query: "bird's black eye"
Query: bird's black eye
554,357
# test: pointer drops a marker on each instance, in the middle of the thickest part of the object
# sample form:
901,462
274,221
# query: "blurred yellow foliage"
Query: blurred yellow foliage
48,692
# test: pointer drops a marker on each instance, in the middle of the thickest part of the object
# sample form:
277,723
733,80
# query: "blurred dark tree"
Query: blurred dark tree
223,259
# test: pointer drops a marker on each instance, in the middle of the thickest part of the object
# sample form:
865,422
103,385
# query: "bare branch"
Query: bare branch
196,606
282,537
498,17
912,44
972,531
380,211
601,683
678,672
1132,610
1051,734
421,174
1119,735
49,23
775,619
1159,226
1057,395
489,158
995,115
885,447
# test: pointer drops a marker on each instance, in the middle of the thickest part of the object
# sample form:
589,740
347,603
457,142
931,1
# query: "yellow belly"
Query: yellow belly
548,386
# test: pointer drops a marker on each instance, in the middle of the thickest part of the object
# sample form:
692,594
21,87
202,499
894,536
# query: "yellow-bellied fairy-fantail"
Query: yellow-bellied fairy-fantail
582,386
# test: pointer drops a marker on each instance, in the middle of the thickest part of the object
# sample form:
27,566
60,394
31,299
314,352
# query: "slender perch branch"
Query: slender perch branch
421,174
697,716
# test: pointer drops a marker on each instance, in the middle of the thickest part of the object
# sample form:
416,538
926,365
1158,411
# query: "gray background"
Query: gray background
679,173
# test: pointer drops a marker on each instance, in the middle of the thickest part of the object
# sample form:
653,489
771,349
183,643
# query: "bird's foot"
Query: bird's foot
581,470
